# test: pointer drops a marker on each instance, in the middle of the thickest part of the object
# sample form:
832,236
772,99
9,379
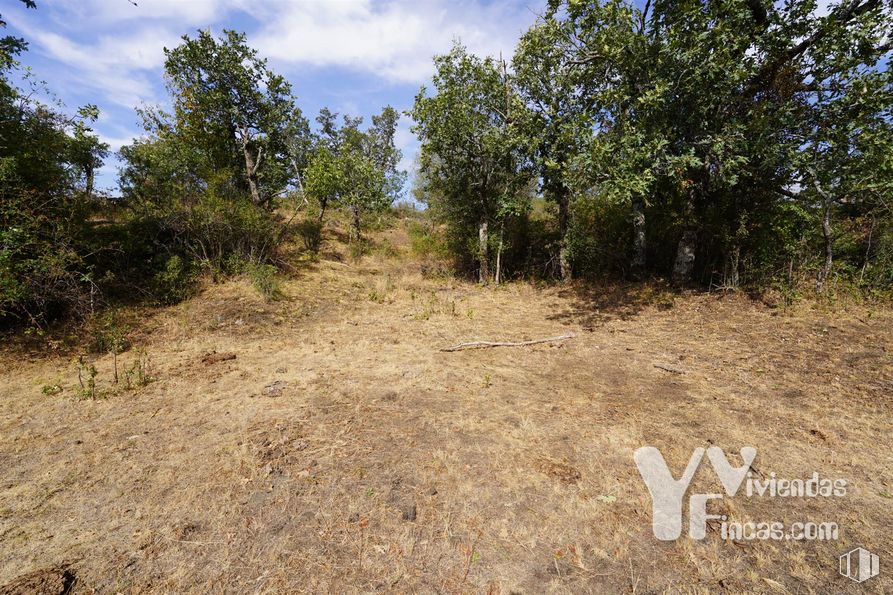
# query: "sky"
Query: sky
353,56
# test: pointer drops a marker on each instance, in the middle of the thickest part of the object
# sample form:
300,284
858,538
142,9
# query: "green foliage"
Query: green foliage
204,184
138,373
263,276
46,165
235,112
720,143
310,231
109,333
472,167
724,131
51,389
354,169
173,281
426,241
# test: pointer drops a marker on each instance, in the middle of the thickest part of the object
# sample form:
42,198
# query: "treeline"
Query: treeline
713,142
716,143
216,184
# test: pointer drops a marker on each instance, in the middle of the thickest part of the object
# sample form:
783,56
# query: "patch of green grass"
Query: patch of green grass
265,279
51,389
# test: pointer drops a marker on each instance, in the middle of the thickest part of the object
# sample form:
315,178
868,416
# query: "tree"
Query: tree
11,46
557,97
229,102
710,100
840,140
471,152
47,253
88,153
355,169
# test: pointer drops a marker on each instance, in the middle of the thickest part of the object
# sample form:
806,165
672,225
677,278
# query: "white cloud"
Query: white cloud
116,142
124,68
112,51
100,13
394,40
124,55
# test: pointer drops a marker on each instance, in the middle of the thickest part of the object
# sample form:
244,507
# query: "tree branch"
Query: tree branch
842,15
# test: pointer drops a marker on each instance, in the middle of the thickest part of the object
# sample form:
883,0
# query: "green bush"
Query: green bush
310,231
174,282
265,279
426,242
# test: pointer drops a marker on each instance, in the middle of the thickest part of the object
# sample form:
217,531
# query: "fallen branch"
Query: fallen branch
485,344
672,369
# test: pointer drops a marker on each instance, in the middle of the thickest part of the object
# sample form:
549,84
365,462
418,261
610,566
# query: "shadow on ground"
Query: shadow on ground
592,305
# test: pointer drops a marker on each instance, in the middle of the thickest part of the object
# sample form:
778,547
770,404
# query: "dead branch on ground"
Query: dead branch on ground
486,344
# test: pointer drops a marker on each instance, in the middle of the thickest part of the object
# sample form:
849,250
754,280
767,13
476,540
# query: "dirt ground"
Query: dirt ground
323,443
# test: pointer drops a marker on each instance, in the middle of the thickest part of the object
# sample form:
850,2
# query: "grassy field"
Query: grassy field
324,442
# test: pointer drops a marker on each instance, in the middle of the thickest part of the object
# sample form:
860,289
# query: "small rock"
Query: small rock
274,389
409,513
432,492
212,357
281,370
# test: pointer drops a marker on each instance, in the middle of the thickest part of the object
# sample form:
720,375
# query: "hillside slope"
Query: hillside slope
324,443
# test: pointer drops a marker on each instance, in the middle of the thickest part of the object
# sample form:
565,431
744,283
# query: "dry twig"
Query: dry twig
485,344
668,368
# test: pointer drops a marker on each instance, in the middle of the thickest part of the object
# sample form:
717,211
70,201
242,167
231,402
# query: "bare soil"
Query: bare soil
323,443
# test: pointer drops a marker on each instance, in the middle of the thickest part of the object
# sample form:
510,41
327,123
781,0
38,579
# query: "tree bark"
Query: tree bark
251,166
639,241
499,254
90,177
732,261
685,252
829,248
867,251
355,211
827,202
564,262
483,251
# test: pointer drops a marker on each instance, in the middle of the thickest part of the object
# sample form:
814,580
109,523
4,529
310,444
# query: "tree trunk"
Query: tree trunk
829,248
732,261
483,251
322,210
90,175
867,251
356,222
638,260
564,262
685,253
251,166
499,254
827,202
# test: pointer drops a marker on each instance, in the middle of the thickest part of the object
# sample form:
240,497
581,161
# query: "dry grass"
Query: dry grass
516,462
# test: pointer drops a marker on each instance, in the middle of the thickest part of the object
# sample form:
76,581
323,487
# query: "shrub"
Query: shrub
265,279
174,282
310,230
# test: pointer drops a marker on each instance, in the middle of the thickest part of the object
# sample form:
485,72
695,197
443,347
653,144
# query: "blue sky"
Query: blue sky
354,56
